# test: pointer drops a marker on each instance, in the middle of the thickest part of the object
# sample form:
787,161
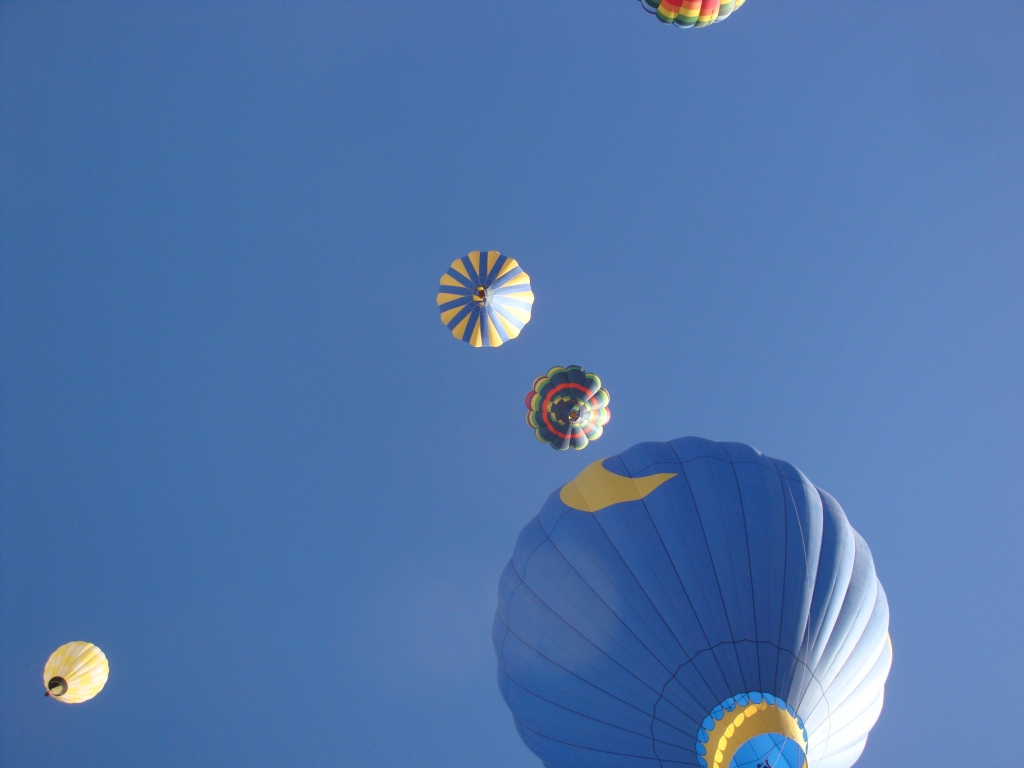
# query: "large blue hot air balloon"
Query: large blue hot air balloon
692,604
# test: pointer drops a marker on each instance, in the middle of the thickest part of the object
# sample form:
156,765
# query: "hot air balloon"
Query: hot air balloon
691,13
692,603
567,408
75,672
485,298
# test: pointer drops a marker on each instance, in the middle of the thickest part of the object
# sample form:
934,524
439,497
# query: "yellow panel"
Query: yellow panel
510,329
447,279
495,338
460,329
492,256
476,339
525,296
596,488
474,259
444,298
508,266
448,314
519,279
459,267
521,314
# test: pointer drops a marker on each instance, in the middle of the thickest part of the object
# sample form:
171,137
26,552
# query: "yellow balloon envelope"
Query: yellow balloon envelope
75,672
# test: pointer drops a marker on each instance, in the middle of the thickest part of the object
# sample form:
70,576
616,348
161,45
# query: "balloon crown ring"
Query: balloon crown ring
743,718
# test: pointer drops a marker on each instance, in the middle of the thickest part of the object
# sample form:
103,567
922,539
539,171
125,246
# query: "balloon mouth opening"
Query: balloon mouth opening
750,729
480,295
574,415
769,750
57,686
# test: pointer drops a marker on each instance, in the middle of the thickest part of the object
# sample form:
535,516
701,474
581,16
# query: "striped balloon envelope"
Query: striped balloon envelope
691,13
75,672
568,408
692,603
485,298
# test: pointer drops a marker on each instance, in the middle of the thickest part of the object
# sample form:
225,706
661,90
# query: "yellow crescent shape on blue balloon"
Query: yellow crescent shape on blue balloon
596,488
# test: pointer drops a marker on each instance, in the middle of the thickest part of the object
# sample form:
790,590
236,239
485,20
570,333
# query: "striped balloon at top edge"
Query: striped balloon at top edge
692,13
485,298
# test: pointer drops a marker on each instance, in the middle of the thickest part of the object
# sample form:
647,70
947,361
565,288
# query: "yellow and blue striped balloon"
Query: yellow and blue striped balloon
485,298
75,672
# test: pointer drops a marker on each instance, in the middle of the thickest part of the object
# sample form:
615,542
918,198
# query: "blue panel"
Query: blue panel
614,596
584,622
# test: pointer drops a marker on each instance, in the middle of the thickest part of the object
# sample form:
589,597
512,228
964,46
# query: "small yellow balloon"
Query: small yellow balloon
75,672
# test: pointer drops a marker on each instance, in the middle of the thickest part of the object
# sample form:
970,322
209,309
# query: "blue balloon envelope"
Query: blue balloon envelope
692,603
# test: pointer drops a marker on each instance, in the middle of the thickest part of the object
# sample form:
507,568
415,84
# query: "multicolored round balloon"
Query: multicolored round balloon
567,408
691,13
485,298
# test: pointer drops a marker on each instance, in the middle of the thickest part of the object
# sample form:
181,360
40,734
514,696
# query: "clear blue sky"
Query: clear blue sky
239,451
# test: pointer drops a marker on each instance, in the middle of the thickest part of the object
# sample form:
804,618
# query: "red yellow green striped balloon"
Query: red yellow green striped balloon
692,13
567,408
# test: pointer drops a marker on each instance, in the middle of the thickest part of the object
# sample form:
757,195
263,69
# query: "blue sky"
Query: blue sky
240,453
